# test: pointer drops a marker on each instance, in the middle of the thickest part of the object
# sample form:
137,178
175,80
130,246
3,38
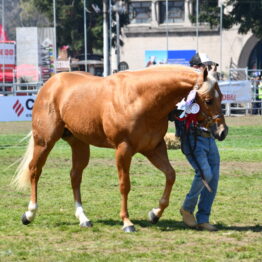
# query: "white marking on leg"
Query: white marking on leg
30,214
127,223
156,211
80,214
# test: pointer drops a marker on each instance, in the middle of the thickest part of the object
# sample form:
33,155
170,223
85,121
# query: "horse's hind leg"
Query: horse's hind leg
41,148
80,159
159,158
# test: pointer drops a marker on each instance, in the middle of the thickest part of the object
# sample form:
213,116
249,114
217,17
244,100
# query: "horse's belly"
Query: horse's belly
94,139
90,132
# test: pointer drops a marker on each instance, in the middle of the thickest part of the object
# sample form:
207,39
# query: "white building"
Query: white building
148,31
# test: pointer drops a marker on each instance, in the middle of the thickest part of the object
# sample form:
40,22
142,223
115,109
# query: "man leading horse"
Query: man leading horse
199,146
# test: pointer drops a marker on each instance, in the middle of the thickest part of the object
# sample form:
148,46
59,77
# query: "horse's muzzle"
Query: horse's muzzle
220,131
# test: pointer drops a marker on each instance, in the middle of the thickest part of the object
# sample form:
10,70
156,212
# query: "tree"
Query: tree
208,12
29,15
69,20
70,24
246,14
19,13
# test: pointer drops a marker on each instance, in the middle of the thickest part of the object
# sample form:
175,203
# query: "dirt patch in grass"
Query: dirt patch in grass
15,127
244,121
245,167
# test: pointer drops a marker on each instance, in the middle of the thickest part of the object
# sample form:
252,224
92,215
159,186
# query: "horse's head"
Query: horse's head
209,98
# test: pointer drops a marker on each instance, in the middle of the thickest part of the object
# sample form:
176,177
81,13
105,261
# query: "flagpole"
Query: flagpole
85,35
221,36
167,29
105,38
3,30
54,24
110,38
197,22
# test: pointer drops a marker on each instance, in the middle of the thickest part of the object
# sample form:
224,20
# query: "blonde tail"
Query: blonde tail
21,179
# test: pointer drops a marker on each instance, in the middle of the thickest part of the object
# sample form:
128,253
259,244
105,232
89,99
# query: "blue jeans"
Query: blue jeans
207,155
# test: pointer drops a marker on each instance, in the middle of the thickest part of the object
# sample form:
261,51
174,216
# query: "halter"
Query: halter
210,119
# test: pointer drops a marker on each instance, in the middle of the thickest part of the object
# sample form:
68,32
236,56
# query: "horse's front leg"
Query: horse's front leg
159,158
123,161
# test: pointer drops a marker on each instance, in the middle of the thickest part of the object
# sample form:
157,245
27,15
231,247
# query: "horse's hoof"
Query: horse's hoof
25,221
86,224
152,217
129,229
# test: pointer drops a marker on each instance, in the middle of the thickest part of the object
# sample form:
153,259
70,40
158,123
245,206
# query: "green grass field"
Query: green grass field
56,236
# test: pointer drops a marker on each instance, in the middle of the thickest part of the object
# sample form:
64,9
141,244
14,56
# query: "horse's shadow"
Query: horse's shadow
172,225
164,225
256,228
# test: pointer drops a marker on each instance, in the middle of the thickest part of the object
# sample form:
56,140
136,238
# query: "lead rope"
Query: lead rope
190,110
184,137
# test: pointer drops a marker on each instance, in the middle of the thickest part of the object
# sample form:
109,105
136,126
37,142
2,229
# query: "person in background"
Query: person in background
258,96
206,157
151,62
259,91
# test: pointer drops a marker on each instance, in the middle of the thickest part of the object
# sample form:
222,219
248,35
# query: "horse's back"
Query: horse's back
67,85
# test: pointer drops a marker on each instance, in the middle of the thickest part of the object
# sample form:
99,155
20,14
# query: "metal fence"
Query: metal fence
17,89
255,106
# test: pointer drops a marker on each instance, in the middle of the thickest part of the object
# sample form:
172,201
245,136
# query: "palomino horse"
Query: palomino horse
127,111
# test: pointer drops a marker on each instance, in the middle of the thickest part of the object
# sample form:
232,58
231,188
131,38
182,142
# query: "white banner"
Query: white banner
16,108
236,91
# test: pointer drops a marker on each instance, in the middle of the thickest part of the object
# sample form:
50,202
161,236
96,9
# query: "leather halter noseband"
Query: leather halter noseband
209,120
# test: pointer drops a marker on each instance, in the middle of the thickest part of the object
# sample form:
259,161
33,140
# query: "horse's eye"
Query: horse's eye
209,102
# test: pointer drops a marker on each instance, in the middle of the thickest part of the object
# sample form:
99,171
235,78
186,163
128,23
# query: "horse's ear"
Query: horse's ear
205,73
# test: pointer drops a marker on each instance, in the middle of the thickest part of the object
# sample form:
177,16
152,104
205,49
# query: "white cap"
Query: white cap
204,58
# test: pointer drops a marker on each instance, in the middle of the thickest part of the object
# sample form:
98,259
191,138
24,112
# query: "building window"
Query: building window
176,11
140,12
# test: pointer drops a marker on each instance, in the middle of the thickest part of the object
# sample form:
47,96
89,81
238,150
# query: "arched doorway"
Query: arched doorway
255,58
246,52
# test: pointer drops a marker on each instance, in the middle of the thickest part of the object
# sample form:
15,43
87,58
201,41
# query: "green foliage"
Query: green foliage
69,20
208,13
30,15
70,23
246,14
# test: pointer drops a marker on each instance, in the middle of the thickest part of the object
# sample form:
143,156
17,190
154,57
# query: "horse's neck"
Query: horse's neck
159,91
158,105
175,97
169,94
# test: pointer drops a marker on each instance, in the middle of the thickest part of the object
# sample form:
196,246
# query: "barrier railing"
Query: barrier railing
229,109
20,88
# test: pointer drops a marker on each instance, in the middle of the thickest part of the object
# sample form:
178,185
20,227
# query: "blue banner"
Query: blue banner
181,57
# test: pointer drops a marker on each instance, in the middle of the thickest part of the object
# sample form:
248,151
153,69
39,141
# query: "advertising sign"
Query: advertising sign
16,108
181,57
153,57
236,91
7,61
7,53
